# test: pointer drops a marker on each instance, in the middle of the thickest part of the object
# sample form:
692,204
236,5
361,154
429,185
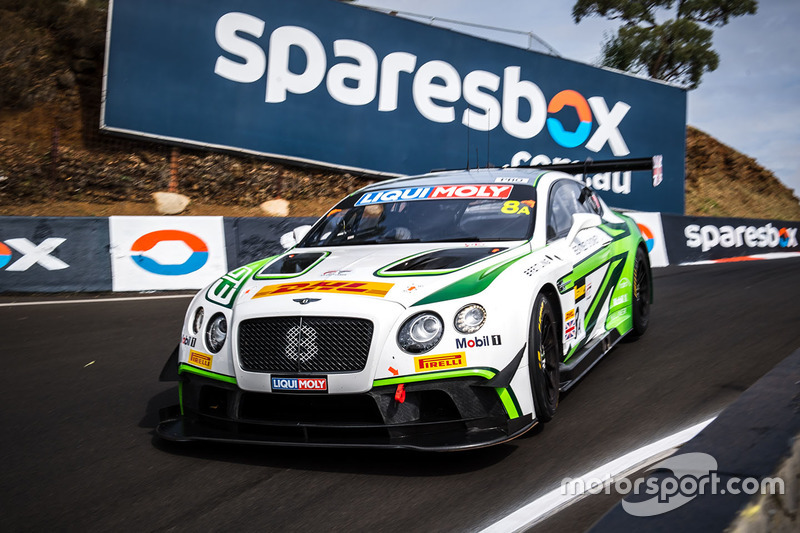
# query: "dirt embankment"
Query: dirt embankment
723,182
54,160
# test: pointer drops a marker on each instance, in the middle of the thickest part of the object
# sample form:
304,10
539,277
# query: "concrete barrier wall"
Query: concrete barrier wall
71,254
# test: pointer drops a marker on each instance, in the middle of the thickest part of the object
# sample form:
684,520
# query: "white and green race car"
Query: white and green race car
443,311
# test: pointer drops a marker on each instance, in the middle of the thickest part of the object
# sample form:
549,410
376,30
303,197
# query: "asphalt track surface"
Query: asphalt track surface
78,451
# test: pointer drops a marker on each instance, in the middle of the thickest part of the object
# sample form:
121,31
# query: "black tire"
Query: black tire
544,355
642,291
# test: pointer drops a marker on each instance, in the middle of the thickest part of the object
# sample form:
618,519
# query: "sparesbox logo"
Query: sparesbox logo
360,76
710,236
5,255
647,234
32,254
146,243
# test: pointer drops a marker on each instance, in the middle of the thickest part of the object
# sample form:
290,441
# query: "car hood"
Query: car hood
406,274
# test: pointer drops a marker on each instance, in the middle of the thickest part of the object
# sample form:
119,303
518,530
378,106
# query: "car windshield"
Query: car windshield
471,213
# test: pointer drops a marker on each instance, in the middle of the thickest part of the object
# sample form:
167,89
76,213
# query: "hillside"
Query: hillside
723,182
54,161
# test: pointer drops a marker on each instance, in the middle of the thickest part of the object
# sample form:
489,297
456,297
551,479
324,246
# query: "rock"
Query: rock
84,52
275,208
84,79
66,79
83,66
170,203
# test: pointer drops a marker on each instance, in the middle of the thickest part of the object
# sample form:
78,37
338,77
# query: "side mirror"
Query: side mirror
582,221
290,239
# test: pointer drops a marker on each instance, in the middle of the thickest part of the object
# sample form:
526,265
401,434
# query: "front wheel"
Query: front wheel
544,355
642,291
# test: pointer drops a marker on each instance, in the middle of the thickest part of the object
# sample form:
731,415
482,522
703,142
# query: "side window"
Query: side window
565,200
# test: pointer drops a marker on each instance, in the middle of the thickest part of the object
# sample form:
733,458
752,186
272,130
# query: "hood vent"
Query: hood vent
291,265
449,259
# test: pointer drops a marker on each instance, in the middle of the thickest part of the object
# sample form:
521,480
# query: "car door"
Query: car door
588,254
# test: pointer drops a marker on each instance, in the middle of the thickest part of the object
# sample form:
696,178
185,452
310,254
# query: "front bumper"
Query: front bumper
443,414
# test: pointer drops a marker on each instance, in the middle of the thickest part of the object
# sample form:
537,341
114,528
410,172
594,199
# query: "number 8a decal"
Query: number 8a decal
513,207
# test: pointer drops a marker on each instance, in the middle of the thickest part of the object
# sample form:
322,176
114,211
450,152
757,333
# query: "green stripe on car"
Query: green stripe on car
507,396
205,373
468,285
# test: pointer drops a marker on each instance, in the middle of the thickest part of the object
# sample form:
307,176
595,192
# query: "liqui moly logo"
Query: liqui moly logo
300,384
440,192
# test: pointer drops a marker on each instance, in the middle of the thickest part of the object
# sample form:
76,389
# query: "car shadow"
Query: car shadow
163,400
384,462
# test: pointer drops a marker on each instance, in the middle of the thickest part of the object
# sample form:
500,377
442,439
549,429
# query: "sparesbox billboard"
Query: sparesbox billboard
333,84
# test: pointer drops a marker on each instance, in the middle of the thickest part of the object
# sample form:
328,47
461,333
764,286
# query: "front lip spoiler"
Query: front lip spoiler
185,429
466,412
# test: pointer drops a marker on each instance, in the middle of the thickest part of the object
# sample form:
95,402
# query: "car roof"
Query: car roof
463,177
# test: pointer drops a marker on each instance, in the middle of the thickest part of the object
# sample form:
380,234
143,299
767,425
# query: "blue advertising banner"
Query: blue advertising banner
328,83
253,238
691,239
54,254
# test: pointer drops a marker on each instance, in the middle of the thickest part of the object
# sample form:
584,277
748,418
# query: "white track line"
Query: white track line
97,300
756,257
555,500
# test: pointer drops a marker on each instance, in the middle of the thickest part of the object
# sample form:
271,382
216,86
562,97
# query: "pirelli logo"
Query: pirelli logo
200,359
366,288
426,363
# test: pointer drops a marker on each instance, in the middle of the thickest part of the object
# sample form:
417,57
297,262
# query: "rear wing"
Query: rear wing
654,164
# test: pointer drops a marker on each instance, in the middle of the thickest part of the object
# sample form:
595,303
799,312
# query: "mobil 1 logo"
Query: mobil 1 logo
479,342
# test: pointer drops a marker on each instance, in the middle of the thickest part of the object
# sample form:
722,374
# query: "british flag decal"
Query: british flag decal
569,331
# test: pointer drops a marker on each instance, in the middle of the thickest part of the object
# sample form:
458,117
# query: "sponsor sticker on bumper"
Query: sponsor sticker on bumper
300,384
427,363
200,359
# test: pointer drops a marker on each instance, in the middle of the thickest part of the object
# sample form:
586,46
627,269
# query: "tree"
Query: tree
676,50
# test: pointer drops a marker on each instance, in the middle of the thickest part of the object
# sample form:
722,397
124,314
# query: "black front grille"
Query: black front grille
330,409
304,344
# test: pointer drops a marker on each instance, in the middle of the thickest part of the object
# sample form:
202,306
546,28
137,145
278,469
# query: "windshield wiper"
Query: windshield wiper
461,239
355,242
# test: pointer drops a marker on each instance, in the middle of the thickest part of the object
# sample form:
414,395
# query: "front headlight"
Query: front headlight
420,333
470,318
198,321
216,332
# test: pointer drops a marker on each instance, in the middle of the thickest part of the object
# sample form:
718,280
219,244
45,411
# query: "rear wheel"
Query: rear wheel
642,290
544,355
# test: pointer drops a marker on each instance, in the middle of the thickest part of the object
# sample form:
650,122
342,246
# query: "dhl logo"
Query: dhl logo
439,362
365,288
